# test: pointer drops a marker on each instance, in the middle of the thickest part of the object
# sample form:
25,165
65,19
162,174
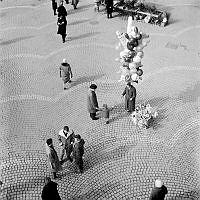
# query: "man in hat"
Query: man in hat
62,10
65,73
92,103
130,95
54,6
50,191
53,158
159,192
66,137
78,151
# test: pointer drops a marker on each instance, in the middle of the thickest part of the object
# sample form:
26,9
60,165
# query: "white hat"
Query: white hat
64,60
158,183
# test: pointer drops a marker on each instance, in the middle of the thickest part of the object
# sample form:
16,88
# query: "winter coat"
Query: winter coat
109,6
62,11
66,140
54,4
158,193
130,95
65,72
92,103
62,23
53,159
78,151
50,191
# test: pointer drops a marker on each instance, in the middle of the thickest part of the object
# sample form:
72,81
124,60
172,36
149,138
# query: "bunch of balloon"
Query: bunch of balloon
130,58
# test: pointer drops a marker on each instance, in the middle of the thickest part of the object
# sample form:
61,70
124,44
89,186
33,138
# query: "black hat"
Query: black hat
93,86
77,136
49,141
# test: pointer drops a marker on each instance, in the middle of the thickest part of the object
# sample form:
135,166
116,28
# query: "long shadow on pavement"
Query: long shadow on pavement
78,22
190,195
85,35
85,79
14,40
79,9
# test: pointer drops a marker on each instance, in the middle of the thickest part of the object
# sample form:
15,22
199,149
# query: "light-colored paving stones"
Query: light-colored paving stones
120,161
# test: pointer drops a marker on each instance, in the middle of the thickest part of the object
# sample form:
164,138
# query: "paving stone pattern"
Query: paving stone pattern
120,161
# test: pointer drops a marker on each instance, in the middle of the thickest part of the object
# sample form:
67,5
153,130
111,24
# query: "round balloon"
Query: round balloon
139,72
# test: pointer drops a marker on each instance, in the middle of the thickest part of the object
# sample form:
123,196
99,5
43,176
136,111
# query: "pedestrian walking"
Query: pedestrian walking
78,151
66,73
109,8
66,138
92,103
62,10
62,23
75,3
159,191
130,95
53,158
54,6
50,190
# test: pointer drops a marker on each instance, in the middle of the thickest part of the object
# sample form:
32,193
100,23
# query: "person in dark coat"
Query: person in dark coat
62,23
54,6
130,95
62,10
75,3
50,191
159,192
53,158
66,137
92,103
109,8
78,151
65,73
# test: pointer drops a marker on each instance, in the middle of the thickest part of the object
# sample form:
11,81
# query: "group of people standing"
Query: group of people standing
70,144
107,3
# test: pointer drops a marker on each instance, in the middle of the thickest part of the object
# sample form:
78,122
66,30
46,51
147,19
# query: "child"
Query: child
105,112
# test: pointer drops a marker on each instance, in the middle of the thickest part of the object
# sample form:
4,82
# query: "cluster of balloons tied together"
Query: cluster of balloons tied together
130,58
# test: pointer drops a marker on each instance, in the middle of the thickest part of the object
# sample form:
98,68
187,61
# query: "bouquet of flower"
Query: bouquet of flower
143,114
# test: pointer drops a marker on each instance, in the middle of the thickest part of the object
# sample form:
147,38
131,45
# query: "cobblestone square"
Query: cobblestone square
121,161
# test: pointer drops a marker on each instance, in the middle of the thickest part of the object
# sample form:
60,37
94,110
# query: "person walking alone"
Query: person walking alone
54,6
78,151
130,95
65,73
66,137
62,24
53,158
92,103
50,191
109,8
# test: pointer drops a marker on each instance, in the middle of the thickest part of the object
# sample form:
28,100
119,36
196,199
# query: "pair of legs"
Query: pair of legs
54,11
109,14
67,84
63,37
79,165
93,116
68,153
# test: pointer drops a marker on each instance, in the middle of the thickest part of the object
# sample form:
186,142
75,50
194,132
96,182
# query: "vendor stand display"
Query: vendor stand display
143,115
141,12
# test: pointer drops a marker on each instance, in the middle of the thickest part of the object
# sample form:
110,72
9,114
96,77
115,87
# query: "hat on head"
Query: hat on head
64,60
93,86
77,136
158,183
49,141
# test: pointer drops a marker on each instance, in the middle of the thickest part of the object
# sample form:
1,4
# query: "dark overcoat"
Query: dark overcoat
109,6
130,95
54,4
78,152
62,23
158,193
50,191
92,103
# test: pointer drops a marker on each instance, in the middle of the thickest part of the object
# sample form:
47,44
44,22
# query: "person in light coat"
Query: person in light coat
66,138
53,158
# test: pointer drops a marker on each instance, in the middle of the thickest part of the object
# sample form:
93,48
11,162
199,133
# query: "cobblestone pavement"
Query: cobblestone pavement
121,161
